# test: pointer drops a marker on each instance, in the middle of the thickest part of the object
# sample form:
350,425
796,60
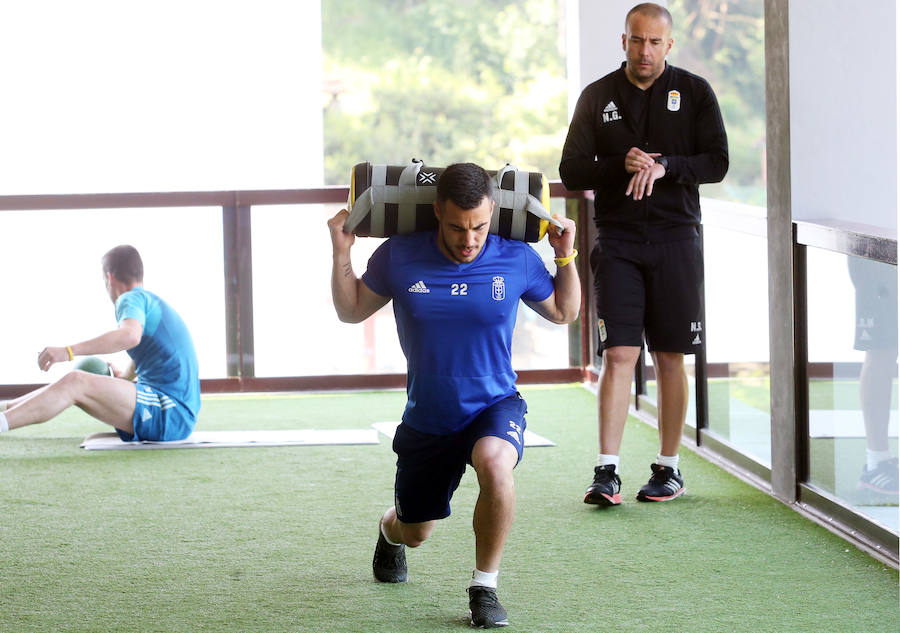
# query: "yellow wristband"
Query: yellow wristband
562,261
71,355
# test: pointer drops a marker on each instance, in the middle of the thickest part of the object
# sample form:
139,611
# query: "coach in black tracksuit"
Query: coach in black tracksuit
643,138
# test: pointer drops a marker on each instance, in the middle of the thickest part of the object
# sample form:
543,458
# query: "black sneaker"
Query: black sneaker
605,489
389,563
484,608
665,484
883,479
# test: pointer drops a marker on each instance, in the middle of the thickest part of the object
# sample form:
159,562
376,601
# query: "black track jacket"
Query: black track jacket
682,122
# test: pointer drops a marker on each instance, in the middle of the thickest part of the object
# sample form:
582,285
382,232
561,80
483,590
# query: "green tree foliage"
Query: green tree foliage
723,42
469,80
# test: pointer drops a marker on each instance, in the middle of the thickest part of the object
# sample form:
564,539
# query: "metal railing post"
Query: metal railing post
701,387
238,291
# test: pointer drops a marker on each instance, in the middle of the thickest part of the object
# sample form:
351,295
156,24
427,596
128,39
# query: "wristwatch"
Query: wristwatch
662,160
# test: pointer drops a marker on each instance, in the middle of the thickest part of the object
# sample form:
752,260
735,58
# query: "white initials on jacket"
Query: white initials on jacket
611,116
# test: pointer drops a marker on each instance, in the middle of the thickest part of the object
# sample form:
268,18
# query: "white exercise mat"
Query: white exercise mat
232,439
531,439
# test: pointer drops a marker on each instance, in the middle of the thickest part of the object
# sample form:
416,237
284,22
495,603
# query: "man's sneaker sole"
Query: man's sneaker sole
604,490
670,497
601,499
489,625
862,485
665,484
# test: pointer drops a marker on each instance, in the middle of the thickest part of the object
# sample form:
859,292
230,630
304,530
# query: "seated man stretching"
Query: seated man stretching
162,404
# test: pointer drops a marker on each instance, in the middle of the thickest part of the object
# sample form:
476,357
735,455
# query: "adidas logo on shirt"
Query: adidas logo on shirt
419,286
611,113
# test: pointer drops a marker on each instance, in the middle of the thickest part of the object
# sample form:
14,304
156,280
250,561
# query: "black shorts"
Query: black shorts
430,467
876,304
649,290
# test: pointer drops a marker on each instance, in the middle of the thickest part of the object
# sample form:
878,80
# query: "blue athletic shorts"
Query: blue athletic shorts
430,467
158,418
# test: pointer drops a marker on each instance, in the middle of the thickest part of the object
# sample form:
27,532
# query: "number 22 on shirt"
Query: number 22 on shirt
459,289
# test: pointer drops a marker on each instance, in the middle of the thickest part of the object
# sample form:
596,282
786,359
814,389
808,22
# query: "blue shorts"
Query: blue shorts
158,418
430,467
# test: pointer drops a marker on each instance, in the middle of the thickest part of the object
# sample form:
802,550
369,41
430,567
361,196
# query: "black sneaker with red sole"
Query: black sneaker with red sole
604,491
665,484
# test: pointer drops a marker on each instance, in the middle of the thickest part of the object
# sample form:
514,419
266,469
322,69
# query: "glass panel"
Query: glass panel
296,331
723,43
538,343
51,272
444,82
737,334
690,371
737,340
853,382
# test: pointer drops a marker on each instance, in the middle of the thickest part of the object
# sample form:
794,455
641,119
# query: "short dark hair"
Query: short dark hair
464,184
124,262
651,10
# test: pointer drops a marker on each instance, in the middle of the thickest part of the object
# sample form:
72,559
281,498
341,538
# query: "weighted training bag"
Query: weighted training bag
389,200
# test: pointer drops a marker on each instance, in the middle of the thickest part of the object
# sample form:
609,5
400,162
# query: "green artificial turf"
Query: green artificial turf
280,539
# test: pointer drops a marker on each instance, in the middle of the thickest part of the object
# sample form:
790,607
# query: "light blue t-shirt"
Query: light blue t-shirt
165,358
455,322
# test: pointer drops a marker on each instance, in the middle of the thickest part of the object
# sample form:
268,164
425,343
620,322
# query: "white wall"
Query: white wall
105,95
111,96
843,70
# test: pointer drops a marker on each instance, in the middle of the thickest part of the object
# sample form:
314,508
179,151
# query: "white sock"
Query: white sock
873,458
4,425
484,578
665,460
603,460
3,406
386,537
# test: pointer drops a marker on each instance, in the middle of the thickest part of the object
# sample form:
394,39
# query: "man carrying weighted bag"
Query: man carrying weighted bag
456,291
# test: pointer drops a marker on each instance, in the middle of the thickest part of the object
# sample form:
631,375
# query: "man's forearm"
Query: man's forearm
344,287
591,173
118,340
567,291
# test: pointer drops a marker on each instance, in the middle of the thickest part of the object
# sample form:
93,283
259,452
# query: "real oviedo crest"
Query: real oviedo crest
674,101
498,289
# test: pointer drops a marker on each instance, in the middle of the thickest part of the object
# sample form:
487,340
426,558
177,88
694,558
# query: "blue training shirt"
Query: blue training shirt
455,322
165,358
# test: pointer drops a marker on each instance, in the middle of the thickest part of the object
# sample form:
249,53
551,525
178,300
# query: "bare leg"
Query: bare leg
110,400
411,534
614,395
671,401
494,460
876,380
17,401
